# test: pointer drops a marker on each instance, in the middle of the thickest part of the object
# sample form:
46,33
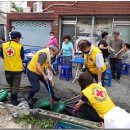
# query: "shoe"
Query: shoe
30,103
15,103
118,80
56,97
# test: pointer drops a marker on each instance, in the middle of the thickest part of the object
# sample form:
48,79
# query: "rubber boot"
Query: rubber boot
14,100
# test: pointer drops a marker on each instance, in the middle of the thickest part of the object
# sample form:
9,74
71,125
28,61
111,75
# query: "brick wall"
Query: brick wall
78,8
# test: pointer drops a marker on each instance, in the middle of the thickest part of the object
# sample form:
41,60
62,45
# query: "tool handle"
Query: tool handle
69,106
68,103
72,98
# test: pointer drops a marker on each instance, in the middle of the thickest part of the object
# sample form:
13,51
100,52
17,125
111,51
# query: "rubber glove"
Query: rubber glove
75,111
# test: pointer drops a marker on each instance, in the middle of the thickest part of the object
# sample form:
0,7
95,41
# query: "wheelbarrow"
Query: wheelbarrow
58,106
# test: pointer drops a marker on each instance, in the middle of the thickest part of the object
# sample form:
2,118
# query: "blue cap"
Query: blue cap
15,34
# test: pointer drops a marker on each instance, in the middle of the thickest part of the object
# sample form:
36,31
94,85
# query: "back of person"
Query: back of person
12,58
116,45
33,62
98,99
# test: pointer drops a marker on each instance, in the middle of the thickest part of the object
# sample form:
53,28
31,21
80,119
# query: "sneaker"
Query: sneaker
118,80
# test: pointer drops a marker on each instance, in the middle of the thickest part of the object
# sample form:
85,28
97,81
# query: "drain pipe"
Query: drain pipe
59,5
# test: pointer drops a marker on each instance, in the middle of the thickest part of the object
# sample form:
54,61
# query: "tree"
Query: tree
16,8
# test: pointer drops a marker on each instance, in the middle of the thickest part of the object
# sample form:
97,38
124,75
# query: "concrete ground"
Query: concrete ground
119,92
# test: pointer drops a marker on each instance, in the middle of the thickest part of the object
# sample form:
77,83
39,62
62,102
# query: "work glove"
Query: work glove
74,111
100,83
84,68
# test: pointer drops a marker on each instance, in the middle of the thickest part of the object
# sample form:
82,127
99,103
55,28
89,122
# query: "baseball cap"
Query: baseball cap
15,34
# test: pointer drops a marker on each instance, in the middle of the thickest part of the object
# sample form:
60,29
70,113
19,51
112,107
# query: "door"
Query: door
35,33
124,31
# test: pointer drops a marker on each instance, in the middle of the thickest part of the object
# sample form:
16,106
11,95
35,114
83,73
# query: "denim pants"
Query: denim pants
115,68
35,82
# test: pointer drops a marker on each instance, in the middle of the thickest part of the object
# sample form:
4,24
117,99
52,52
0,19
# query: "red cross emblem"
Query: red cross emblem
99,93
10,51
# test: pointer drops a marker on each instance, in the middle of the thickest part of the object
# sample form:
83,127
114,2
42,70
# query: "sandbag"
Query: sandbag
3,95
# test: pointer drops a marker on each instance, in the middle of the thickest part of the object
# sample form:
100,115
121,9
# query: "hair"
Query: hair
54,48
116,33
127,45
82,44
85,79
52,33
67,37
13,27
104,34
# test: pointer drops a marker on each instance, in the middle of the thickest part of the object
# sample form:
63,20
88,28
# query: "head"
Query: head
84,46
104,35
51,35
66,38
15,36
116,35
127,46
53,50
12,28
85,79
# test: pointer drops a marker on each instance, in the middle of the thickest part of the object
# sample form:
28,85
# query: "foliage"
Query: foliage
16,8
41,123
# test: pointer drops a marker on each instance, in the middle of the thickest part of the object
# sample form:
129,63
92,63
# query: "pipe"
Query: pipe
59,5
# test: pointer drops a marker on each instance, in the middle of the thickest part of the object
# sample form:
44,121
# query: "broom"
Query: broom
51,100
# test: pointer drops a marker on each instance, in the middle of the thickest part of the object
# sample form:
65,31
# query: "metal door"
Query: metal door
124,31
35,33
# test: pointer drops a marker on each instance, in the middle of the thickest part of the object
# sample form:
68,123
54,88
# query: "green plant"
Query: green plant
16,8
41,123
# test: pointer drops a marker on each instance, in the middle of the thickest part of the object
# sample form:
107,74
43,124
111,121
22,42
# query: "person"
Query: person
36,71
53,41
103,46
12,29
67,50
116,47
98,106
13,53
94,61
126,55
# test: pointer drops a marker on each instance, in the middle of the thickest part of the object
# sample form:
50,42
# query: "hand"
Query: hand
116,55
54,73
100,83
73,57
74,111
45,77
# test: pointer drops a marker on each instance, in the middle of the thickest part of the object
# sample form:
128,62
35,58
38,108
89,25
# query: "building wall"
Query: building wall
56,10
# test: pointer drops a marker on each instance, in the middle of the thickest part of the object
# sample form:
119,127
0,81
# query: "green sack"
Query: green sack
3,94
42,103
58,107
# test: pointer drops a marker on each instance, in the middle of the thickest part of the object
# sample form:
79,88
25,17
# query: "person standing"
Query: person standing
13,54
36,71
116,47
52,41
103,46
67,50
126,55
94,61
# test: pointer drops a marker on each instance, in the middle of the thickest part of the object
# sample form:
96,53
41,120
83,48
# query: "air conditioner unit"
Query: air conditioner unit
37,7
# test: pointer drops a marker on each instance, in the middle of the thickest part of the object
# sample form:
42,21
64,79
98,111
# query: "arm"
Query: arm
38,66
51,68
72,52
60,52
101,46
41,60
79,104
99,64
22,53
2,53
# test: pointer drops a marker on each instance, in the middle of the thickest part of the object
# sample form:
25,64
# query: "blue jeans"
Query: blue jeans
34,80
